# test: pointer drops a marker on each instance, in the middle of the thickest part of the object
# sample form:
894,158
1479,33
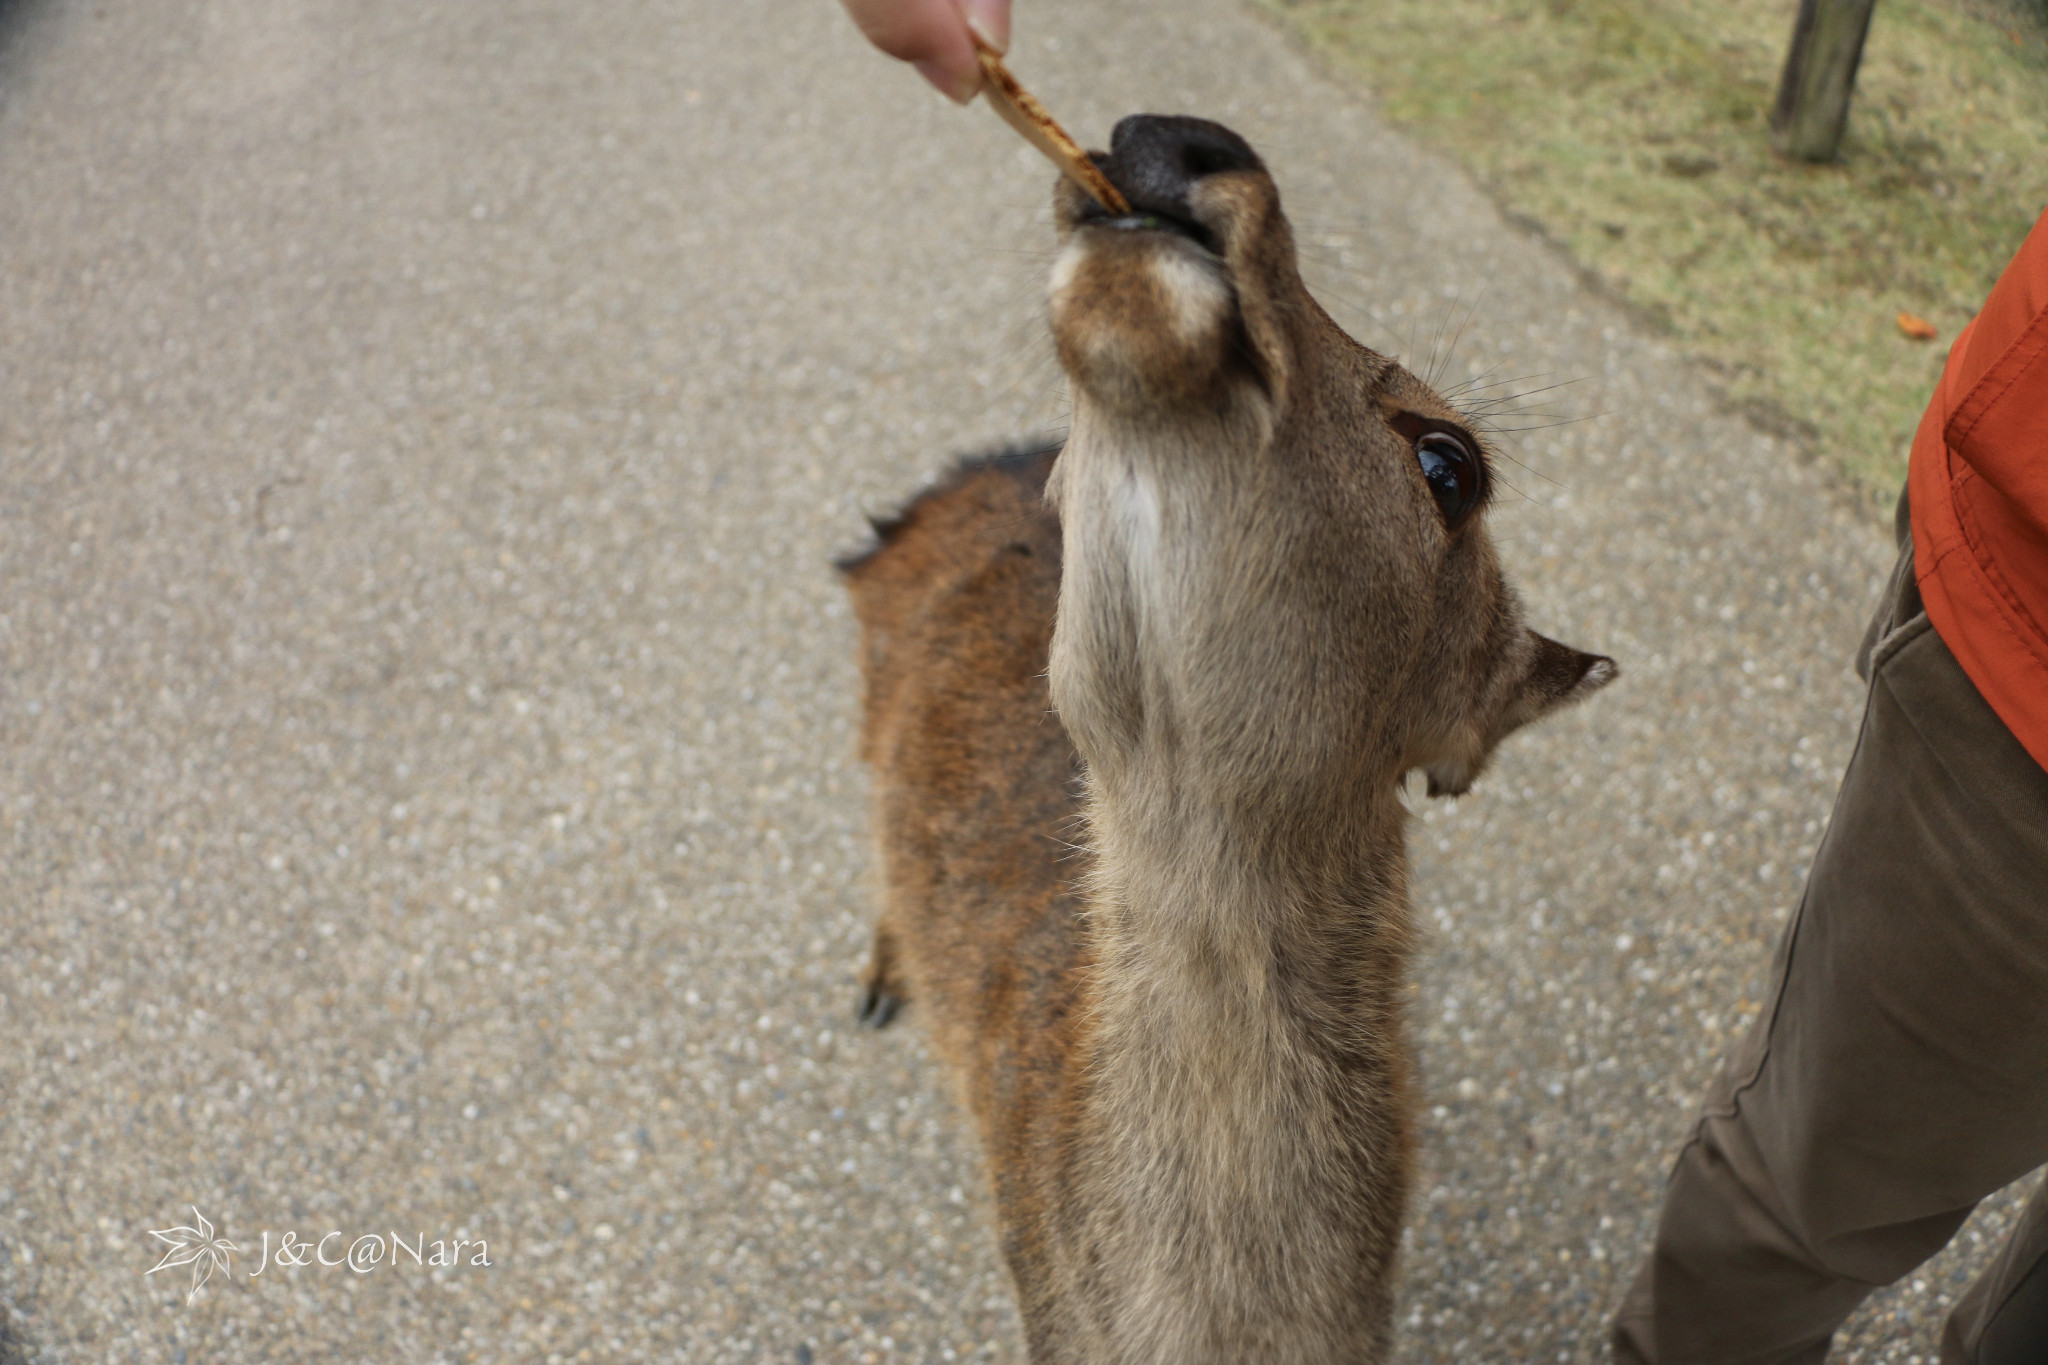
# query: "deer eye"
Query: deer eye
1456,478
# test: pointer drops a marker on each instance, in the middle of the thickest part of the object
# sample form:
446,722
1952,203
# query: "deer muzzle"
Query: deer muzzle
1145,308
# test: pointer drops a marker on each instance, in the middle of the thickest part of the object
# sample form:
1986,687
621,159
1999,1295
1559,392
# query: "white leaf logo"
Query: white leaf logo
196,1247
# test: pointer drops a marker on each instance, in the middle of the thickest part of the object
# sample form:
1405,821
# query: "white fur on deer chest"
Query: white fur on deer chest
1135,510
1131,587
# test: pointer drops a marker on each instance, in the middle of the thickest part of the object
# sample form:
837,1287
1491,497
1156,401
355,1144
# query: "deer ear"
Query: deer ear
1557,675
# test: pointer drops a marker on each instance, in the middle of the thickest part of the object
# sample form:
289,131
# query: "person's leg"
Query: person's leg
2003,1319
1896,1074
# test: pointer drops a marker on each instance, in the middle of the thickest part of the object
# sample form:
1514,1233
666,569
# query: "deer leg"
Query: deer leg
881,988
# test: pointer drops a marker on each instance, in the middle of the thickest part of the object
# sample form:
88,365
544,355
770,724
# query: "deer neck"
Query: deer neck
1208,666
1248,904
1244,975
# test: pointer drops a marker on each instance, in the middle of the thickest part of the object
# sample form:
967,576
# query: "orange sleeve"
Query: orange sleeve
2000,428
1979,495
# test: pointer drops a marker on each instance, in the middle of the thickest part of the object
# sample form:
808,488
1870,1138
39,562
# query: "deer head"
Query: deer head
1278,580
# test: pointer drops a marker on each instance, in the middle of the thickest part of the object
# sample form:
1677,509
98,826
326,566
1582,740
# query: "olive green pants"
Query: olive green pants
1898,1072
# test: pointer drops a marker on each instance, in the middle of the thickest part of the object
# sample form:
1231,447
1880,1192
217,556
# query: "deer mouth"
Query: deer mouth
1147,219
1159,164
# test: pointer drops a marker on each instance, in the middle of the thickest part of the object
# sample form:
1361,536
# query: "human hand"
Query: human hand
935,36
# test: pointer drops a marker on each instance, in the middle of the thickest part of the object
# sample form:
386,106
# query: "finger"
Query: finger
954,82
930,34
991,20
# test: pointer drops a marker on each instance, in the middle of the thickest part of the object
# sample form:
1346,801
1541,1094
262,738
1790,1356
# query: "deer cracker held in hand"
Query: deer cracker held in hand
1249,595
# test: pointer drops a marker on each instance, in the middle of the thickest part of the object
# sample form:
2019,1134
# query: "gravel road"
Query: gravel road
428,802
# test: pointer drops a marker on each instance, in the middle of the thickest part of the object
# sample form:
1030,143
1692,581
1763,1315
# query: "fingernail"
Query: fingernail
957,86
990,20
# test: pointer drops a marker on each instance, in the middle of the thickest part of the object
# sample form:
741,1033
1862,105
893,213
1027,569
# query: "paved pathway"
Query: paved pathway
428,802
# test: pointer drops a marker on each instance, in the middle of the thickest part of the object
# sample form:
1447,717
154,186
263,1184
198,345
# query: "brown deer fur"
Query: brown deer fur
1138,746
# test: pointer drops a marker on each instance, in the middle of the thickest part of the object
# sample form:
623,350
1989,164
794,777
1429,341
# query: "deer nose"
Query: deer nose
1155,159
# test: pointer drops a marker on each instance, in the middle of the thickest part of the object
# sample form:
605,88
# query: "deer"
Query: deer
1140,709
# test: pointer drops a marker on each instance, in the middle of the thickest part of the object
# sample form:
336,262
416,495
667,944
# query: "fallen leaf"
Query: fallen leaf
1916,327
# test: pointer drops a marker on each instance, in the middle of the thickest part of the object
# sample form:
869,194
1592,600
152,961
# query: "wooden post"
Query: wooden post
1820,76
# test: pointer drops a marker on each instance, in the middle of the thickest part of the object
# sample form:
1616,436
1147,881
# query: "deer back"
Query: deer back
976,791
